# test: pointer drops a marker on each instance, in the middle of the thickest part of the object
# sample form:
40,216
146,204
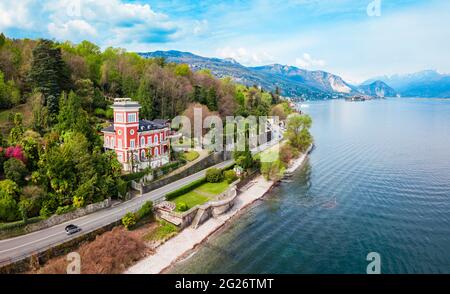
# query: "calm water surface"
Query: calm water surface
378,180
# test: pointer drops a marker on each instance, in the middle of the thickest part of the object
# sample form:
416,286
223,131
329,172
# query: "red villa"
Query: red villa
138,143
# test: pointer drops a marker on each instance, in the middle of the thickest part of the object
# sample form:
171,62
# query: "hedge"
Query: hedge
171,166
191,186
145,210
135,176
185,189
20,223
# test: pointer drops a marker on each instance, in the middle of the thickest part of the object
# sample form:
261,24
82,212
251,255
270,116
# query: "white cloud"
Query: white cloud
306,61
200,26
75,30
245,56
15,14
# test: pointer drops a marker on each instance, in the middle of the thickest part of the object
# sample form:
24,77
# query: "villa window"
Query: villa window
149,140
142,141
156,151
132,144
143,154
119,143
119,117
132,117
107,141
156,139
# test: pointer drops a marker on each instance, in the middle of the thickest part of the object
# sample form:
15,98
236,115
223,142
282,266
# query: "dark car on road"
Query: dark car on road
72,229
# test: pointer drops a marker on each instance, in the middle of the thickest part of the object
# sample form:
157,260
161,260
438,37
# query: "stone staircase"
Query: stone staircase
198,217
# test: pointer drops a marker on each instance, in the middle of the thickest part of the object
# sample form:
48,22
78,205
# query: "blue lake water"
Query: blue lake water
377,181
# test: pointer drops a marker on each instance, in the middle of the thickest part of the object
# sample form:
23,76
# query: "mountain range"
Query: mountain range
301,83
427,83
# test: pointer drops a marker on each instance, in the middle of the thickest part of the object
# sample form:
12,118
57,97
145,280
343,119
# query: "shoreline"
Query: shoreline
188,240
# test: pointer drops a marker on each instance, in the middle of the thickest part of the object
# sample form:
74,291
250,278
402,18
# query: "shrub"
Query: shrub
165,169
191,155
19,224
182,207
273,170
145,210
129,220
110,253
230,176
64,209
136,176
214,175
32,196
15,170
109,113
122,187
185,189
287,153
100,112
45,211
8,209
15,152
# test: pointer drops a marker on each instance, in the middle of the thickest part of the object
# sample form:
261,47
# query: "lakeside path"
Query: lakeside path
187,240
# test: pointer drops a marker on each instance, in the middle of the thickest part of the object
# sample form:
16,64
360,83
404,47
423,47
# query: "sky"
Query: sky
356,39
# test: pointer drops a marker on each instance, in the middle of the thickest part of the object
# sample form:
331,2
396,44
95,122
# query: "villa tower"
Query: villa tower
138,143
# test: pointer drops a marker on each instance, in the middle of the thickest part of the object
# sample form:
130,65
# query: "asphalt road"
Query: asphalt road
22,246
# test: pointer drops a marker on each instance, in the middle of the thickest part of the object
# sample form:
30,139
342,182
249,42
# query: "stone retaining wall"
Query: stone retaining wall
210,209
59,219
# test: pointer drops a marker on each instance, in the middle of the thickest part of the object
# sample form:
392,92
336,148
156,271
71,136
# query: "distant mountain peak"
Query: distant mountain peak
425,83
377,88
231,60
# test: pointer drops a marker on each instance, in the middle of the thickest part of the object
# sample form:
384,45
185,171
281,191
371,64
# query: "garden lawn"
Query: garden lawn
202,194
191,199
191,155
213,188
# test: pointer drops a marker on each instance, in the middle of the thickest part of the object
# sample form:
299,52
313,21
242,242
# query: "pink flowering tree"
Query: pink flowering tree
16,152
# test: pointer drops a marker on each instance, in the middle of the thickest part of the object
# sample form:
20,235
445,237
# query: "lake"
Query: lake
377,181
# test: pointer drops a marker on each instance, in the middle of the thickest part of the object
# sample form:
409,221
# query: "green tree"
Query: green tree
2,39
39,112
273,170
244,159
32,197
298,131
182,70
15,170
145,99
211,99
214,175
72,117
52,107
129,220
9,192
85,90
48,74
16,132
9,93
31,145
